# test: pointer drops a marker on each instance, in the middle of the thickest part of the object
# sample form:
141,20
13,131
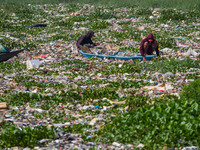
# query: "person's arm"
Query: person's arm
90,41
144,59
96,44
142,50
156,48
79,42
157,51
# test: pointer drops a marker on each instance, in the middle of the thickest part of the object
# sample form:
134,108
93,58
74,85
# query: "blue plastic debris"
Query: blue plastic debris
97,106
89,136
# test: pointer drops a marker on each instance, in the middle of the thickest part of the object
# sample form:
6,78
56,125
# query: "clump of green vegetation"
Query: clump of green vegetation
191,92
181,4
101,14
78,128
26,137
173,15
172,65
125,68
43,85
127,84
22,78
175,123
99,25
12,67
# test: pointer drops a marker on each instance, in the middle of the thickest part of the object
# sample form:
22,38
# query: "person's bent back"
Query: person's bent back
148,45
85,39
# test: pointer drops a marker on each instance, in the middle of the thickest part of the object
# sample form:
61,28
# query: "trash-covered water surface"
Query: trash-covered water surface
54,98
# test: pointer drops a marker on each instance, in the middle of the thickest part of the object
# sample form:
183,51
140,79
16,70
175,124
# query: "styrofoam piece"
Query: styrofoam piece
31,64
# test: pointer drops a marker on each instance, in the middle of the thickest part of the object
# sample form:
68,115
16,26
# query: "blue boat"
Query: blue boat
149,57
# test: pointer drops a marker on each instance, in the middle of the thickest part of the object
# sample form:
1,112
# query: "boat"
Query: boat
7,55
115,56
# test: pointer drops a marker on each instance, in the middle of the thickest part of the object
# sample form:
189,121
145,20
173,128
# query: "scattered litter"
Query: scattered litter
3,105
190,52
51,85
191,148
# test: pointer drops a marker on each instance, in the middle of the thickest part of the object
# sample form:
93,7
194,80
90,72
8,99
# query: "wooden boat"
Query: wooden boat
149,57
8,55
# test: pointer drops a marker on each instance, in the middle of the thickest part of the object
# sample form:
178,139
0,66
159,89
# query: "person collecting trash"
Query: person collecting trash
85,42
148,45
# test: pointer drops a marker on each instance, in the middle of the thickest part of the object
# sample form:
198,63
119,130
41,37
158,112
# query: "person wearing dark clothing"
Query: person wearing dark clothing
148,45
86,39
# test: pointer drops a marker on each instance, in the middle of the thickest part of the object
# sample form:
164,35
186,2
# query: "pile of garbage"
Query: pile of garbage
52,85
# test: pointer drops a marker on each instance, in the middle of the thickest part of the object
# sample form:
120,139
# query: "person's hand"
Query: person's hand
144,59
97,44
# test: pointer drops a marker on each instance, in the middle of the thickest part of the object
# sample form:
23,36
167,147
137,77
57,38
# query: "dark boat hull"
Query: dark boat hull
6,56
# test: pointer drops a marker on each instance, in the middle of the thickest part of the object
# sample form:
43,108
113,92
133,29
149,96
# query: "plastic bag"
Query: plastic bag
191,52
